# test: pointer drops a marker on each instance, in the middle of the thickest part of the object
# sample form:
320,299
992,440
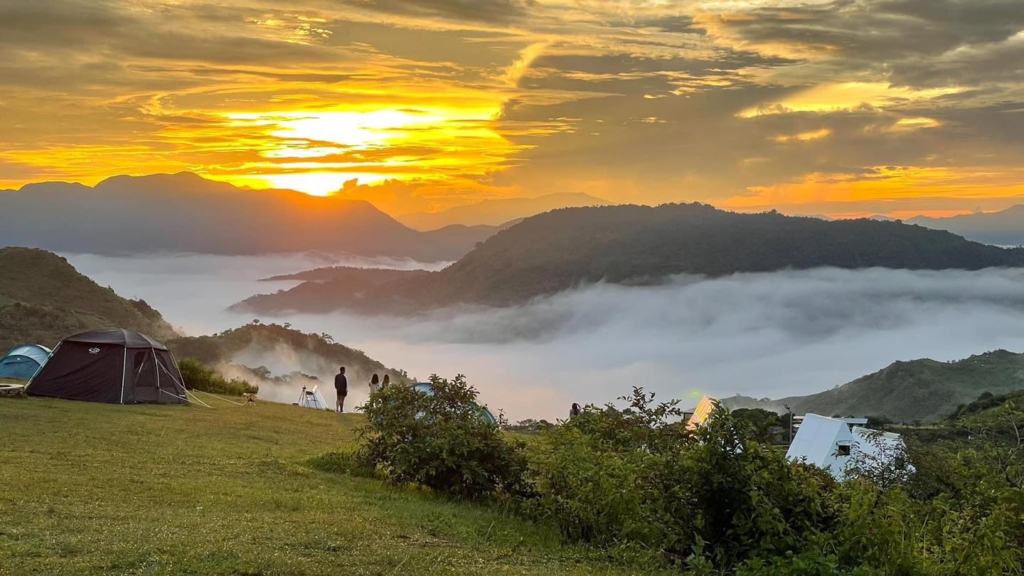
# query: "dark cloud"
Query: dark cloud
493,11
914,42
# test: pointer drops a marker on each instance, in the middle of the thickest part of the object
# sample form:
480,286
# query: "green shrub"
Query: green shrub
720,499
638,475
440,441
199,376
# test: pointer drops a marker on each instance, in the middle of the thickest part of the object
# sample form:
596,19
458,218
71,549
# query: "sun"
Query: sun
317,152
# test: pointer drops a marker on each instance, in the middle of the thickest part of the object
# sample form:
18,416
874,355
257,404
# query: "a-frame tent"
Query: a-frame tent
114,366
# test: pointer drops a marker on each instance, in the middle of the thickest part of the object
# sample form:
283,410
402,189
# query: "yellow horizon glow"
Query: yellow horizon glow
318,151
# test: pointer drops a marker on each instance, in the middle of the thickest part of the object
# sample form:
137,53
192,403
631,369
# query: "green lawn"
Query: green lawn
100,489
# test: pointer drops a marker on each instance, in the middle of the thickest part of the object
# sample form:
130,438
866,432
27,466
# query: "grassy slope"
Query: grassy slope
43,299
96,489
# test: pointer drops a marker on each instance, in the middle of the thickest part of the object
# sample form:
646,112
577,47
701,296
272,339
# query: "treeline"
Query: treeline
199,376
720,499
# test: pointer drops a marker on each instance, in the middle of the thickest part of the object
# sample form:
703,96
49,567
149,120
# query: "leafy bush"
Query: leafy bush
199,376
441,441
719,499
638,475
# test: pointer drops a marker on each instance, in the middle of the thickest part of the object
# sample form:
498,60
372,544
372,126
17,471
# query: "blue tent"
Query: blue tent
23,362
428,389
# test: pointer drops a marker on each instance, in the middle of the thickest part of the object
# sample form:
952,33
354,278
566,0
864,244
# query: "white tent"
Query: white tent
837,443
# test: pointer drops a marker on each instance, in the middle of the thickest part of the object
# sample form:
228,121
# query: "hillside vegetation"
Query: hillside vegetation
566,248
919,390
102,489
256,346
44,299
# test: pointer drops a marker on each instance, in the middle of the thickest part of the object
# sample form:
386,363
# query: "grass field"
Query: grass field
101,489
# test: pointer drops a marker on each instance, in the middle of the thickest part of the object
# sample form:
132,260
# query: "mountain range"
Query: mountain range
501,212
188,214
919,390
1004,228
570,247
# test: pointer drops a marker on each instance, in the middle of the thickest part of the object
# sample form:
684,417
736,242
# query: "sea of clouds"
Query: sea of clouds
762,335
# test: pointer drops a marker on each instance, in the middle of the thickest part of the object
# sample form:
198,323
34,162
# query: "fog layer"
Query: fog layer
764,335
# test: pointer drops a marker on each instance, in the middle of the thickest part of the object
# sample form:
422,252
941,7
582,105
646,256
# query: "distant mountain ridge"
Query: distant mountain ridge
1003,228
919,390
186,213
499,212
44,299
571,247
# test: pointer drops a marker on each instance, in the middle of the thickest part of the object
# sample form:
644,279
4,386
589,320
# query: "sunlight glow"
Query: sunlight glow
318,151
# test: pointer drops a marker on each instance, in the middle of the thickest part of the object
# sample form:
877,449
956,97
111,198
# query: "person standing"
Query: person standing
386,382
341,387
575,410
374,384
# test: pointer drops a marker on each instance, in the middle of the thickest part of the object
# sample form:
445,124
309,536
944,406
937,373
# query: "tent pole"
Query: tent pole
124,368
182,383
32,379
156,368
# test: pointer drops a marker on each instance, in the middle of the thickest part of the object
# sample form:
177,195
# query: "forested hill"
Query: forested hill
43,299
919,390
279,349
624,244
565,248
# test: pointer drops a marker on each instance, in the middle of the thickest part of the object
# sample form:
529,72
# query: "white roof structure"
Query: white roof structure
836,443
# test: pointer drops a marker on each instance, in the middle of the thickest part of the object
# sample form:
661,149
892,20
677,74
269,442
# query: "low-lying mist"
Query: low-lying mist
763,335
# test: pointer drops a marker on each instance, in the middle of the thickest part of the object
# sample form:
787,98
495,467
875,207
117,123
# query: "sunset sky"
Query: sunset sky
846,107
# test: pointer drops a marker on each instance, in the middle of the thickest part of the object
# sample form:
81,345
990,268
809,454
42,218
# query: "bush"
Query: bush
715,494
441,441
199,376
717,500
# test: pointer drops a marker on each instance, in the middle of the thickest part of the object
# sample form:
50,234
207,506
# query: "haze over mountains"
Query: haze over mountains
567,248
497,212
1004,228
185,213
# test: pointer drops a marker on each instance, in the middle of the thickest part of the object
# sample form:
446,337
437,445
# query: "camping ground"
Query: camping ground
106,489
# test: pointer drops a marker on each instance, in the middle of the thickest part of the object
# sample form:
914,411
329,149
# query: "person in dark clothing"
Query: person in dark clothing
341,387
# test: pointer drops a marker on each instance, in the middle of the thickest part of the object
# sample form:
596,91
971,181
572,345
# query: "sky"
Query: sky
840,108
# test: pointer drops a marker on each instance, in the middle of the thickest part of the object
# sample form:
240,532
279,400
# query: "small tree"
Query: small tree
882,462
441,441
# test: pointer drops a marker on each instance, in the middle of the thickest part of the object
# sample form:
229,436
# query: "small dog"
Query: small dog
250,399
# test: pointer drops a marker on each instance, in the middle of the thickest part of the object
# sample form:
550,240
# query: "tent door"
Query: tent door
143,376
